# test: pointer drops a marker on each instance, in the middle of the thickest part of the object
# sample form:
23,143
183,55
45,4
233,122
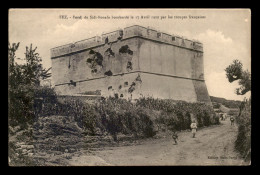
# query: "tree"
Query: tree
243,142
33,69
235,72
29,73
23,81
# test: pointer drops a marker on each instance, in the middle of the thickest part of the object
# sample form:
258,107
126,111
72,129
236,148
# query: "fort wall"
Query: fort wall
131,63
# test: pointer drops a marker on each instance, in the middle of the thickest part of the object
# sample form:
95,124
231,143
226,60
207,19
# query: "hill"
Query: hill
225,102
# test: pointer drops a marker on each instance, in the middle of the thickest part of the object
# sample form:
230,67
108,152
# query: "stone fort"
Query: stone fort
130,63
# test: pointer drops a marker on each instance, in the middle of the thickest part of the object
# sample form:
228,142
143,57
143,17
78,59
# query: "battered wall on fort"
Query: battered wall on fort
131,63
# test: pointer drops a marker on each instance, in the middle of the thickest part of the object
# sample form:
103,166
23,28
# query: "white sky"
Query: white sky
225,34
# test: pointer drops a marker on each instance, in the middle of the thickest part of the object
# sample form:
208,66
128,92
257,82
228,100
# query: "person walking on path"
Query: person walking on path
193,128
175,137
232,120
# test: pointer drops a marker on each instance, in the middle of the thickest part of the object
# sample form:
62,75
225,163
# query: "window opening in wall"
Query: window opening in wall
121,33
121,95
183,43
91,52
110,87
69,63
148,32
173,38
106,40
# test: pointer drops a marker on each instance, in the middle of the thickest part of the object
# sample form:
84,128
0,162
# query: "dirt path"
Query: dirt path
212,146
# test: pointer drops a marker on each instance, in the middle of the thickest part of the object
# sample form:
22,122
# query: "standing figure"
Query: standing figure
232,120
193,128
221,116
175,137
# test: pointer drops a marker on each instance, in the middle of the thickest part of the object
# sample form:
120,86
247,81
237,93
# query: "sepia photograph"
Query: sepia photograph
129,87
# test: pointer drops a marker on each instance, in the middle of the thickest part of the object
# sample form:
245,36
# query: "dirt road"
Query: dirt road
213,145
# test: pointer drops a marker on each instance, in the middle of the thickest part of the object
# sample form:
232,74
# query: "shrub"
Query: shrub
145,123
120,115
243,141
23,81
179,113
216,120
115,116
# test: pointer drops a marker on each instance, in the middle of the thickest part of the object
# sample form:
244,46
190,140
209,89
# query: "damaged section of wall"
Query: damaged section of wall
138,79
95,61
109,53
125,50
129,66
135,84
108,73
121,34
132,87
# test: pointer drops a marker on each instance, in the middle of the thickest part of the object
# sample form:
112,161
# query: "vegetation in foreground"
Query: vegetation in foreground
235,72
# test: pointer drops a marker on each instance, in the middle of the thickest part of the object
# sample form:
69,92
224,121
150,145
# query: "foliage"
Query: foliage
235,72
110,115
23,81
216,105
17,158
225,102
113,116
177,114
243,141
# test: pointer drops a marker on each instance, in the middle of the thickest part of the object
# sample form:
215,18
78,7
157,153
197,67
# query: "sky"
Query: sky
225,34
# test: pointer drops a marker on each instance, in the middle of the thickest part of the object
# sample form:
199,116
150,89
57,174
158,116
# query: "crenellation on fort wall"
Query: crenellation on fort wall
112,36
168,38
132,31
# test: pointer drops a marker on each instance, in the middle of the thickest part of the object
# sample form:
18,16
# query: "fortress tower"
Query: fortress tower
131,63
